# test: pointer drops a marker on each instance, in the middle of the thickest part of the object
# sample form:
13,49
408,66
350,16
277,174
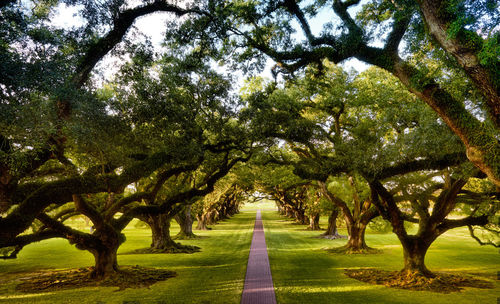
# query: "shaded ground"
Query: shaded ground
176,249
347,250
128,277
442,282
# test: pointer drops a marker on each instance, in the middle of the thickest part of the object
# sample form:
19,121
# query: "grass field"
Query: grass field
302,271
214,275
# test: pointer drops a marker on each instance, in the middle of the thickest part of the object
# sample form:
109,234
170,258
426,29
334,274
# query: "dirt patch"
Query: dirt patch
442,282
127,277
173,249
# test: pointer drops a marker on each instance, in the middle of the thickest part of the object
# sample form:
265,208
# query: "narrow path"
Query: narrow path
258,287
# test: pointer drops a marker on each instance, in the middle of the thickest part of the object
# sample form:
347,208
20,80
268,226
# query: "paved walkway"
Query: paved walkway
258,287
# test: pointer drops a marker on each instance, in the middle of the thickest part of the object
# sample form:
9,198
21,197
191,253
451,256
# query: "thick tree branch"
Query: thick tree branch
467,221
23,240
465,52
62,191
399,28
444,161
82,206
481,242
121,24
388,207
337,201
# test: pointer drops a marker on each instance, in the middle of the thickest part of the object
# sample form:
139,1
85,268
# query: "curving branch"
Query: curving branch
121,24
481,242
59,192
396,35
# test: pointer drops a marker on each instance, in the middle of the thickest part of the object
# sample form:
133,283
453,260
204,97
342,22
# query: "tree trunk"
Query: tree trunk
160,229
314,222
202,222
105,262
211,217
186,224
414,250
356,240
281,210
301,218
331,231
103,245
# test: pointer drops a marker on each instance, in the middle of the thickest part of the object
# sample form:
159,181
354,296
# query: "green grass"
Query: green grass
305,273
215,275
302,271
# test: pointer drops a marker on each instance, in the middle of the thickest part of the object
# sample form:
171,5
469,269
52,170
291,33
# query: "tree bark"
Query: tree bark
160,229
356,240
414,251
211,217
482,150
300,217
465,51
105,262
331,231
186,224
314,222
202,222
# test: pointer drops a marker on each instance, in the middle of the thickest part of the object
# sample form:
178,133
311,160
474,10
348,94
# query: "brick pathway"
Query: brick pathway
258,287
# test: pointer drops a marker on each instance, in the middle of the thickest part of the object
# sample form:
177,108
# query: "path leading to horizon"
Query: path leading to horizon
258,288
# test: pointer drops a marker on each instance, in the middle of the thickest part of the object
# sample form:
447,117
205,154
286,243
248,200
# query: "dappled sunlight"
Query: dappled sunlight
25,296
329,289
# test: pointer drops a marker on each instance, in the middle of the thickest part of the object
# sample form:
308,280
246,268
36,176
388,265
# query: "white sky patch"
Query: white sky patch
66,17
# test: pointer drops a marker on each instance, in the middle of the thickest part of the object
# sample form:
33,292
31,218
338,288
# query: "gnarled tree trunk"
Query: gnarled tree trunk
414,251
186,224
105,262
331,231
160,232
300,217
314,222
202,222
356,240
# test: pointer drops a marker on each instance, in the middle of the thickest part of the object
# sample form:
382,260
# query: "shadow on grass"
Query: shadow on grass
441,282
174,249
127,277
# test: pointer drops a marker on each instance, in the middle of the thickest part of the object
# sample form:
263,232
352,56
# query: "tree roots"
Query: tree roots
440,282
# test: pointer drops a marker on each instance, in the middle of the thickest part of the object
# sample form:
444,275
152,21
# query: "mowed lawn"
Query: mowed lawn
214,275
302,271
305,273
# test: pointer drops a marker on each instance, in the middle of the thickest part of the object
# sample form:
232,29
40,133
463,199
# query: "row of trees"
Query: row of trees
163,138
146,145
371,149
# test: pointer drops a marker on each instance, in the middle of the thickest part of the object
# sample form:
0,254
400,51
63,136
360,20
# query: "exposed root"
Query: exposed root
440,282
331,236
127,277
350,250
188,237
177,248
